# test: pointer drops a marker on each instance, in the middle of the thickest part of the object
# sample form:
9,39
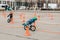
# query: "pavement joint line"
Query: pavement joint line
18,36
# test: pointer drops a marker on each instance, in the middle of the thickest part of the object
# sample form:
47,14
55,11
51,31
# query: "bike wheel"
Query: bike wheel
8,20
32,28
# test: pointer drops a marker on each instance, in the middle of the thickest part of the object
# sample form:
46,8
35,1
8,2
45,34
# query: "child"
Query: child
30,21
10,17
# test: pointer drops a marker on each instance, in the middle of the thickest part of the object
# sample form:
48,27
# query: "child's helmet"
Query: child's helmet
35,18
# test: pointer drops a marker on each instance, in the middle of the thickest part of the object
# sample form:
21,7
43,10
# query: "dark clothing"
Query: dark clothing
10,15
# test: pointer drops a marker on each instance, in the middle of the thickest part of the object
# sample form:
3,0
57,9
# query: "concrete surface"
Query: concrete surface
48,27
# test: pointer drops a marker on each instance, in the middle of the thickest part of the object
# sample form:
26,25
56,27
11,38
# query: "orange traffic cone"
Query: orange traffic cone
21,16
27,33
35,14
12,21
38,17
23,20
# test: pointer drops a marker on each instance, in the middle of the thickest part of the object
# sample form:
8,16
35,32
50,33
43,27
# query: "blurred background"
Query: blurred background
30,4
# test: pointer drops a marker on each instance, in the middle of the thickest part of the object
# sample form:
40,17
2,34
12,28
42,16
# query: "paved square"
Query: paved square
48,27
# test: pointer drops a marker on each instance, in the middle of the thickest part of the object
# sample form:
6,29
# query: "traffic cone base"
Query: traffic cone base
12,22
27,33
